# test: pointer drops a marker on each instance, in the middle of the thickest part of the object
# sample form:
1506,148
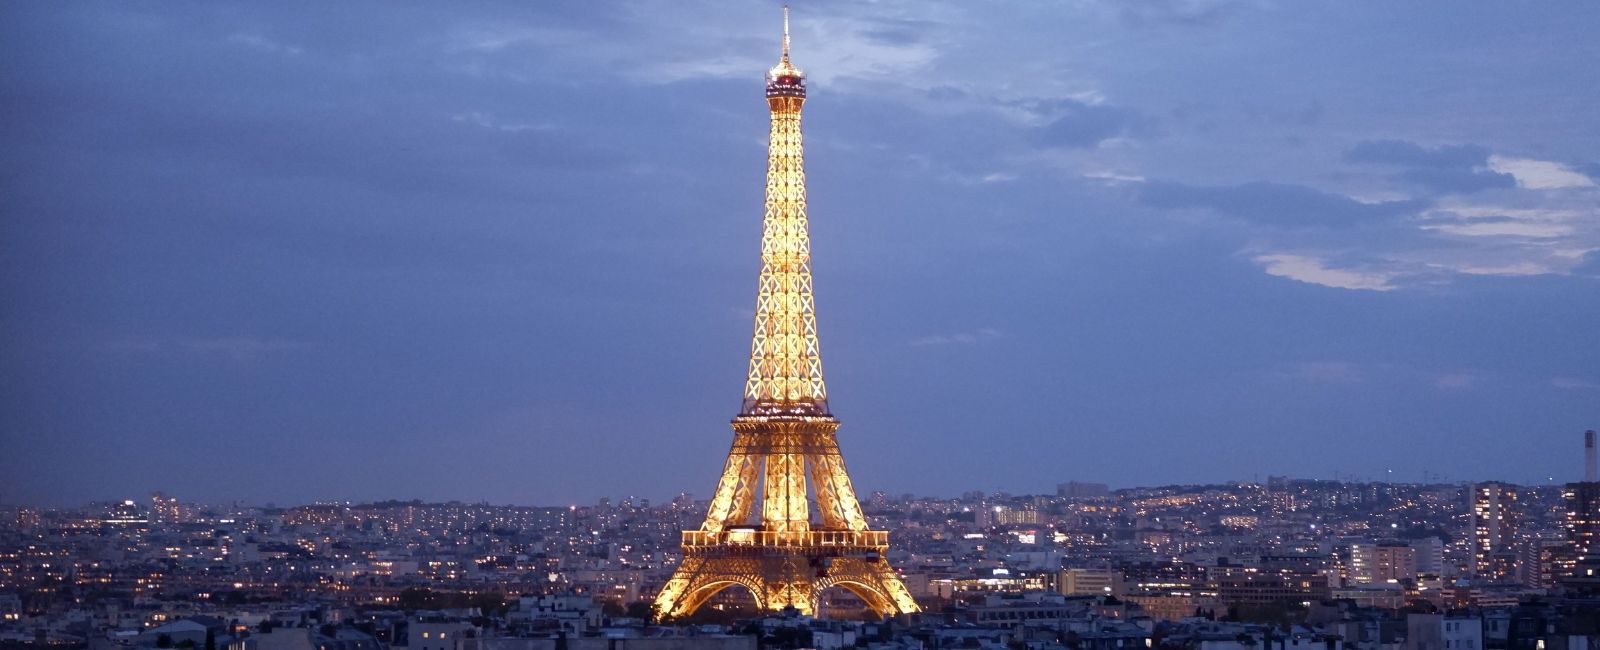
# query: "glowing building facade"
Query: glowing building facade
1494,530
1579,565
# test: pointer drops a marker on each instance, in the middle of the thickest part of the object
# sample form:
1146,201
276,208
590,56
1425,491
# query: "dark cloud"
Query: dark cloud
946,93
1276,204
1449,169
1410,154
1458,181
1078,125
898,32
1306,115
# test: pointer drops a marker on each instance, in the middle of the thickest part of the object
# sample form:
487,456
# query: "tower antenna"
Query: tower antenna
786,32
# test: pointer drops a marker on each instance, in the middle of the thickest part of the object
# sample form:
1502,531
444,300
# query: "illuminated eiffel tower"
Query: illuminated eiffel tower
783,437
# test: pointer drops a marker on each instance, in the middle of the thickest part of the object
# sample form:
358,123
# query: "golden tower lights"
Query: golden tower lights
784,436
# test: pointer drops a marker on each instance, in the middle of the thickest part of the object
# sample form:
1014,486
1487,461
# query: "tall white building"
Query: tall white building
1494,530
1382,562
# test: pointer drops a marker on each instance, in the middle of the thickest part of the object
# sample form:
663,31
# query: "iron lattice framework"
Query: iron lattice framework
784,436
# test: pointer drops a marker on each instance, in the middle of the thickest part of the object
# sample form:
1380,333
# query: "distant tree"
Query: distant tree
1279,613
490,603
415,598
265,627
640,609
186,644
164,641
1419,606
211,639
788,637
1423,532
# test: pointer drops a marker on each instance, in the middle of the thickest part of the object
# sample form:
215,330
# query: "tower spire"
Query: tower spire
790,77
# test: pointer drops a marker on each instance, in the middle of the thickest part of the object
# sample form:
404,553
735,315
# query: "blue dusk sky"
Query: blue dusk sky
508,252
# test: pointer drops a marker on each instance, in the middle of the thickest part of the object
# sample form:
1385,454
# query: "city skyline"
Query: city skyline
502,255
701,499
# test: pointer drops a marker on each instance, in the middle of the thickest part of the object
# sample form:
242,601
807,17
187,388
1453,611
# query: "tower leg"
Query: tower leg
699,578
874,582
782,580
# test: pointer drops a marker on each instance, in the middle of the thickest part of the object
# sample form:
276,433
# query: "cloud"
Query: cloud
1315,271
264,44
1522,233
489,122
1451,169
1076,124
1410,154
829,46
1539,174
1530,233
1454,381
1526,224
1588,265
1276,204
1457,181
958,338
1325,372
1187,13
467,174
1574,383
1113,177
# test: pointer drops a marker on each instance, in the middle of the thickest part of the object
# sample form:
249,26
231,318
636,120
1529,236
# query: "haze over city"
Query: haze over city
369,252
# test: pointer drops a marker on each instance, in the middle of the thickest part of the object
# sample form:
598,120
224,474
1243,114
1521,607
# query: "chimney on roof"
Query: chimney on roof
1588,456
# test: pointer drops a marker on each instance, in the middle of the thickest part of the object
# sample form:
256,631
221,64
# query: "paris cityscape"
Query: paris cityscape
1314,563
1355,413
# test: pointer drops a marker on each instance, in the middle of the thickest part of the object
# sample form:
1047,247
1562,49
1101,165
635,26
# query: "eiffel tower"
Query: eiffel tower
784,435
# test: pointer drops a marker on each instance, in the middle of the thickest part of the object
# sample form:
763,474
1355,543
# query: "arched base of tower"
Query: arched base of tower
781,577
